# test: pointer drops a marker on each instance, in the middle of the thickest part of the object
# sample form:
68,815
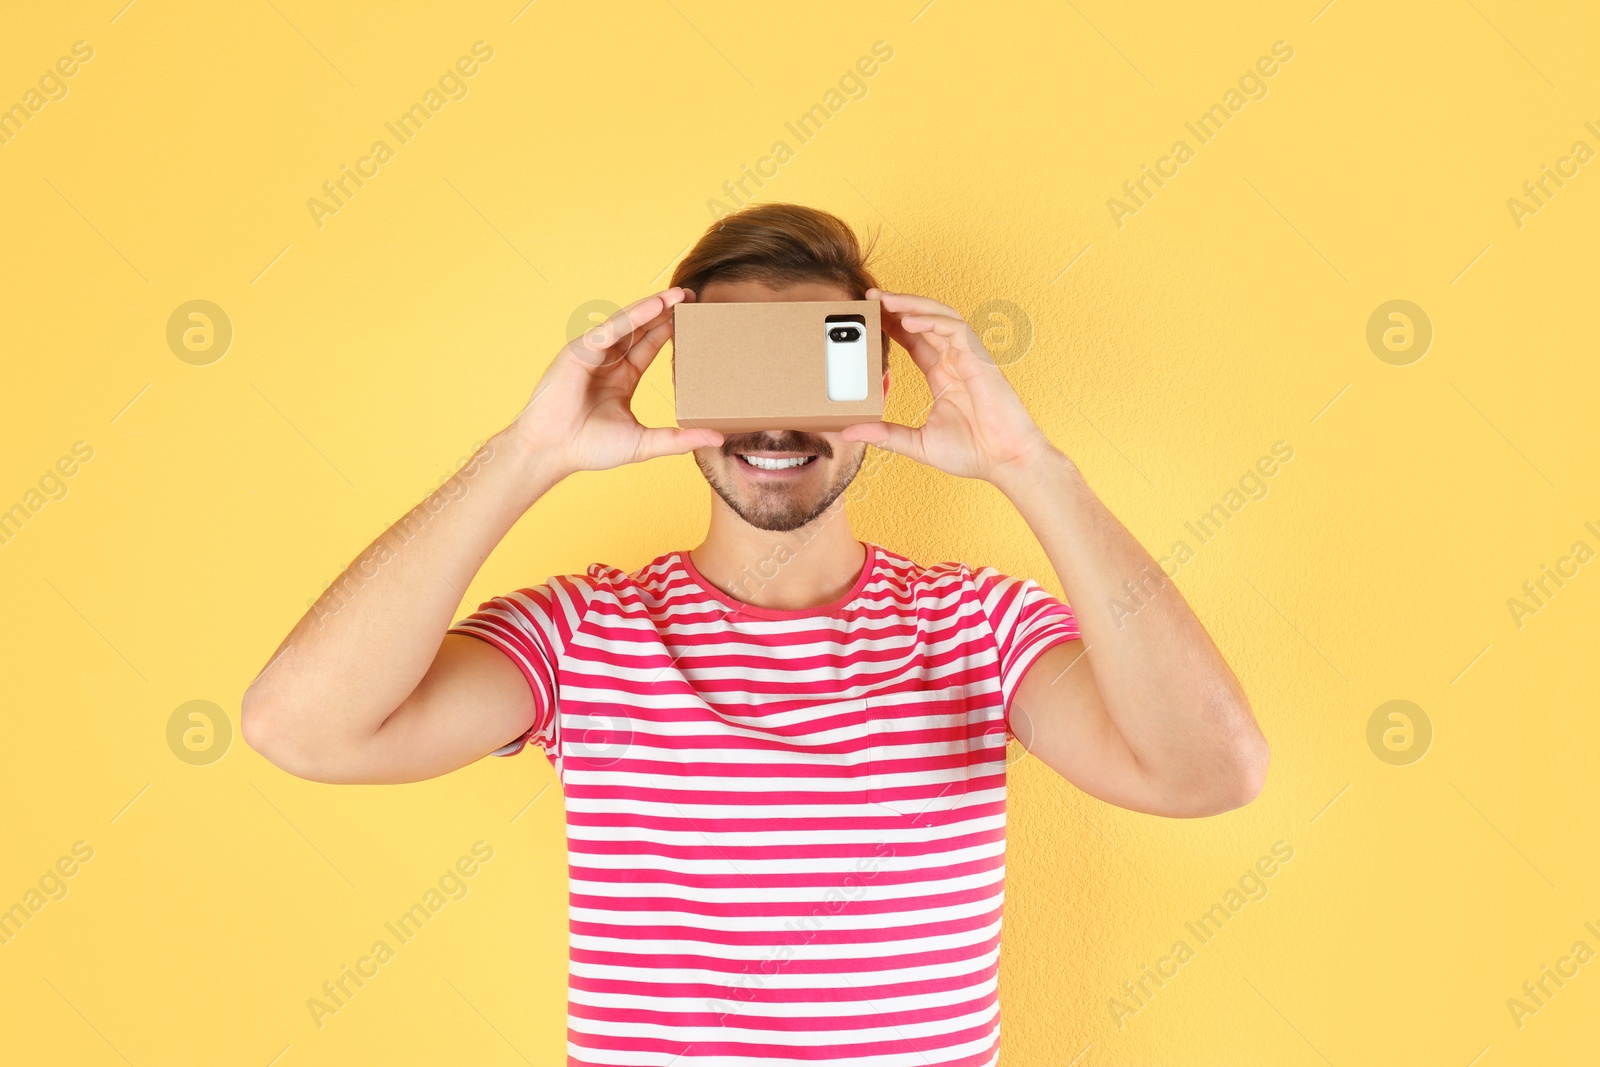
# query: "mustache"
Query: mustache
787,441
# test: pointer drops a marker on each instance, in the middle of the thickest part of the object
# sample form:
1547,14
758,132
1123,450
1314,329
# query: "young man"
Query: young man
783,753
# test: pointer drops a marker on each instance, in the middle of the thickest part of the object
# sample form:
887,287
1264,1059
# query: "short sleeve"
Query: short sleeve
1026,621
533,627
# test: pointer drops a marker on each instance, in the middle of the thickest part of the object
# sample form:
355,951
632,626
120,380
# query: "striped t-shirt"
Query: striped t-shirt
785,829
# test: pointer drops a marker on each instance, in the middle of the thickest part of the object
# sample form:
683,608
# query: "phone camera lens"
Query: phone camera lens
844,333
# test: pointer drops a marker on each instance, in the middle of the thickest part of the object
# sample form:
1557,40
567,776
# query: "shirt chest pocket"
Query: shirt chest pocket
929,751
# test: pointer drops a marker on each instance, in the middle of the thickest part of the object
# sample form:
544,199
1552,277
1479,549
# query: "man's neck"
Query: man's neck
780,571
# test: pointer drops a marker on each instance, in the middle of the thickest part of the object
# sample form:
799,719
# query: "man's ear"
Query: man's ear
886,363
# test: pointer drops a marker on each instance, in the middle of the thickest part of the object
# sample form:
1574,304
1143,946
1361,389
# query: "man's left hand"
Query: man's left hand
977,426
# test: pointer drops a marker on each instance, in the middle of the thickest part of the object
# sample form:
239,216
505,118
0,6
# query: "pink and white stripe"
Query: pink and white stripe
785,829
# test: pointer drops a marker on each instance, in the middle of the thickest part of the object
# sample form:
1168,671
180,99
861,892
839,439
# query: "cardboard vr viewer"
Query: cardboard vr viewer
808,365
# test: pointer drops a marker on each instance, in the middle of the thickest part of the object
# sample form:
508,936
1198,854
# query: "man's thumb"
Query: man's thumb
890,436
675,440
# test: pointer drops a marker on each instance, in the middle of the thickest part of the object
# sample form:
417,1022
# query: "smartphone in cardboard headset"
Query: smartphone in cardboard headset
807,365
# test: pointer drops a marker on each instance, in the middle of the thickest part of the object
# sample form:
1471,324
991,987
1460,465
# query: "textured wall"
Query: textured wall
1174,341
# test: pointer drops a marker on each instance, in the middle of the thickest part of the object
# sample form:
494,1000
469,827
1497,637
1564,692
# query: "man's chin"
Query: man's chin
771,510
775,523
776,512
776,516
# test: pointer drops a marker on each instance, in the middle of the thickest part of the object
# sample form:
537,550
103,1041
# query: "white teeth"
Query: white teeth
768,464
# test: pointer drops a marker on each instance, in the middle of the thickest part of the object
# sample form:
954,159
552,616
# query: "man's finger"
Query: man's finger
897,331
900,303
918,347
943,325
891,436
955,333
625,326
646,348
661,441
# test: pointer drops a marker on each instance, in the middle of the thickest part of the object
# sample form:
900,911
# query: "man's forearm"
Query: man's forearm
369,639
1169,692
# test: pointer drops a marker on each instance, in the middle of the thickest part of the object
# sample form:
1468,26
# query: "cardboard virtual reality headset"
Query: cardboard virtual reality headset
807,365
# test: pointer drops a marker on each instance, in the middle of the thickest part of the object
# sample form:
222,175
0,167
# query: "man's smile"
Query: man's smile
771,462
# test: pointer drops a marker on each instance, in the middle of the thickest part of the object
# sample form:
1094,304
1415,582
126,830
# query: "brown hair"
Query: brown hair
777,244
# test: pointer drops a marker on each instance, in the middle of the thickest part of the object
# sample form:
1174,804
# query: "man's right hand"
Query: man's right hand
581,409
369,686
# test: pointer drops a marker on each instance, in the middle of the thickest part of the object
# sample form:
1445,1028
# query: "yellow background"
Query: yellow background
1229,313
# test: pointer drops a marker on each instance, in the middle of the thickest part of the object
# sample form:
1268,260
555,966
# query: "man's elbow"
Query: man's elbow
1245,775
273,735
261,729
1235,772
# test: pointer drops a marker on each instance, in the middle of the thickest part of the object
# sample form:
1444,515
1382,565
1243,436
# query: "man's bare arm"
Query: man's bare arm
1150,717
1142,712
368,686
